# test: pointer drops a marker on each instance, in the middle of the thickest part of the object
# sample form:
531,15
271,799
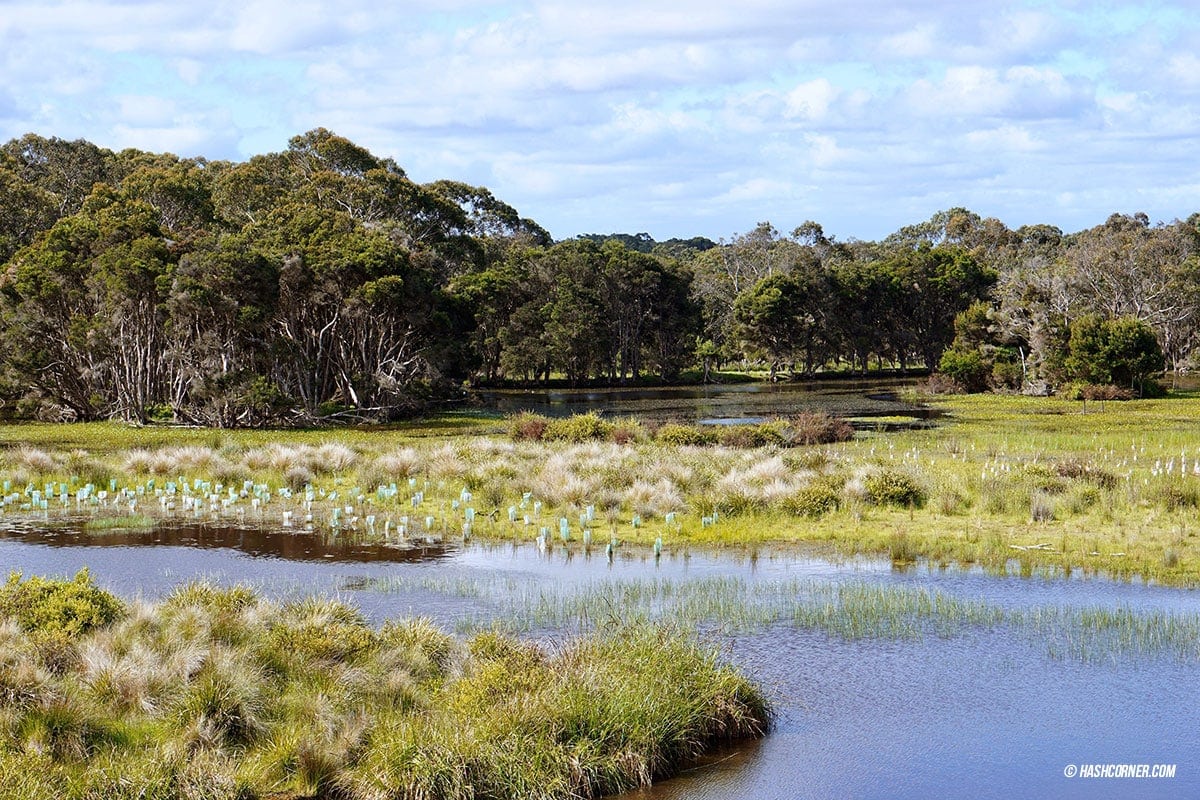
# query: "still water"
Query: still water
716,403
979,712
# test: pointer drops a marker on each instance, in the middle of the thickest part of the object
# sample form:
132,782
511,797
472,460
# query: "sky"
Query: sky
677,118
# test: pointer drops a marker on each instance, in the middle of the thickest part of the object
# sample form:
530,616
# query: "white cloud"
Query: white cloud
1004,139
810,100
1185,68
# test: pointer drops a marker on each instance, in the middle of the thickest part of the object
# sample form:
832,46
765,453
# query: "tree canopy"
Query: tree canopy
322,282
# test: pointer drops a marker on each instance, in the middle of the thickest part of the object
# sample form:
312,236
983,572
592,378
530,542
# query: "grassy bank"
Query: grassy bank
217,693
1012,483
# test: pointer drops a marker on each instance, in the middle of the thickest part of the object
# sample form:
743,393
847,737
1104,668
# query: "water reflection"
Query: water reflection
249,540
748,402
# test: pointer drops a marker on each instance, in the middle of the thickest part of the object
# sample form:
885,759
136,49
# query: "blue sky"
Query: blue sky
673,117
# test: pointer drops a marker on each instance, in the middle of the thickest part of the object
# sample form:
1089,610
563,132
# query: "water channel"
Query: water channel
966,710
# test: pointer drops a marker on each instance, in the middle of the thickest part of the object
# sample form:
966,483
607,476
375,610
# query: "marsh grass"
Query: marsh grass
217,693
850,610
1119,485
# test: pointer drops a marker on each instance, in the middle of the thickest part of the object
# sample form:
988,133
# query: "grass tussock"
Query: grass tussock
217,693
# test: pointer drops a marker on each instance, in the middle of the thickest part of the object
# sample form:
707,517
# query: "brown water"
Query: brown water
744,402
979,712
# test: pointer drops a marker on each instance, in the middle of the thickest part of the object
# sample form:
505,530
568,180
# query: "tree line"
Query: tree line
322,282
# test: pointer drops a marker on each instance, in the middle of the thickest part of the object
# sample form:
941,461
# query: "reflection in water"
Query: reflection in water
748,402
982,712
252,541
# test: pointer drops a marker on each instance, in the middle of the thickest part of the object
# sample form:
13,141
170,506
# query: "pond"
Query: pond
718,403
960,684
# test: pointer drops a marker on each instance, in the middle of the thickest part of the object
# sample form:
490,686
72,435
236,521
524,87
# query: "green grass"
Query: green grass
216,693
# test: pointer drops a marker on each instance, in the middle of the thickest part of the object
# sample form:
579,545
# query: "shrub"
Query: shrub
1041,507
1103,392
816,500
578,428
749,436
1042,477
817,427
58,607
1080,470
892,488
527,426
679,435
627,431
1007,376
967,368
1179,497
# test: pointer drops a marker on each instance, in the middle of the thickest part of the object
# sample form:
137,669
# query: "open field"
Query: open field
1010,483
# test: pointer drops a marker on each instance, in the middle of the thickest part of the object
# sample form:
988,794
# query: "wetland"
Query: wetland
1014,598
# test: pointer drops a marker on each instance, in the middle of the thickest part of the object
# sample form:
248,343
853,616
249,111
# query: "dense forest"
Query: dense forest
321,282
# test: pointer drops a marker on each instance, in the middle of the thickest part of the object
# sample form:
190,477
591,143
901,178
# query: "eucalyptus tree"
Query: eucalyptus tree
26,209
220,304
66,170
1127,267
83,323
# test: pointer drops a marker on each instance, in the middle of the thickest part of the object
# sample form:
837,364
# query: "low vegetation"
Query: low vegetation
1008,482
217,693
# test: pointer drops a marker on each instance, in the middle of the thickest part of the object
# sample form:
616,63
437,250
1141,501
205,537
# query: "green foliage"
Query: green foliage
578,428
55,607
315,632
888,487
1122,352
815,500
680,435
967,368
420,712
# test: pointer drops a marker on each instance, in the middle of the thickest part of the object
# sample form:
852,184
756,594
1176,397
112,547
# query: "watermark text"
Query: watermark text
1144,771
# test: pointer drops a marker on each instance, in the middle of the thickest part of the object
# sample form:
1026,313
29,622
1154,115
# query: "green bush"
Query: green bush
892,488
748,436
680,435
816,500
968,368
578,428
53,606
